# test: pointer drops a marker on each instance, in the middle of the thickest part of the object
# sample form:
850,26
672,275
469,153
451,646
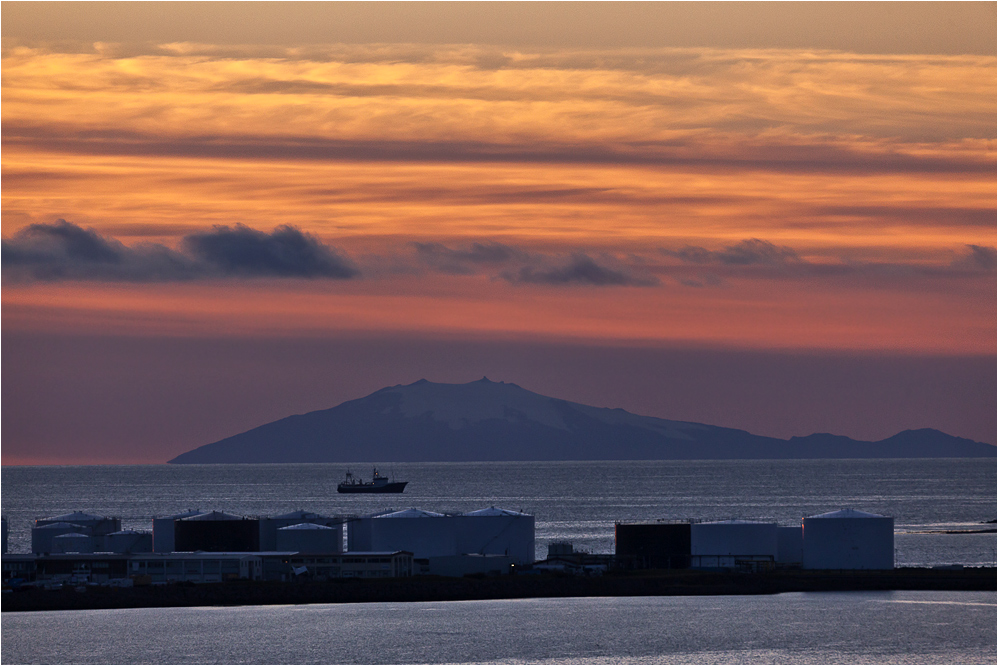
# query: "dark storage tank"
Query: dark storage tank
217,532
654,545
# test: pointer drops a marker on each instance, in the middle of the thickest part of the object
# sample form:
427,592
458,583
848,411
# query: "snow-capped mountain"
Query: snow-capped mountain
486,420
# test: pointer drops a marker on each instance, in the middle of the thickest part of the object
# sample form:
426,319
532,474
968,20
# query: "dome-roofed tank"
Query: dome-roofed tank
163,530
310,538
42,535
497,531
848,539
128,541
73,542
216,531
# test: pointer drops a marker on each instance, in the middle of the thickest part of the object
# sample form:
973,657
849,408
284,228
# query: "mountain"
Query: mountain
485,420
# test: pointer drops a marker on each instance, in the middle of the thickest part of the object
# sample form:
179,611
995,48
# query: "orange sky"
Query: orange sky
750,190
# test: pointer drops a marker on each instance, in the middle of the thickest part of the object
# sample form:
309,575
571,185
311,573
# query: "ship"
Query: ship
379,484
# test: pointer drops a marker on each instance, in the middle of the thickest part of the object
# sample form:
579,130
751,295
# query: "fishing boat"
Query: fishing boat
379,484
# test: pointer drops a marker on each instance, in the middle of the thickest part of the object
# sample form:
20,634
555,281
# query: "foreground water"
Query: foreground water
874,627
572,501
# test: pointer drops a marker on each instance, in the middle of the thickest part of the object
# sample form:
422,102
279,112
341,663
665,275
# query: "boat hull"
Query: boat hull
394,487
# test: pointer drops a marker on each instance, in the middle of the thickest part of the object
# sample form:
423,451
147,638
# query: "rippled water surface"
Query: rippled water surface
573,501
868,627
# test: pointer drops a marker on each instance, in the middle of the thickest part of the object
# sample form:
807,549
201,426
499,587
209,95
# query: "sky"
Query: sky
778,217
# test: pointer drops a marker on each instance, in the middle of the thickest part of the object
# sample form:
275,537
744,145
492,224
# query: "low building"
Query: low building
353,564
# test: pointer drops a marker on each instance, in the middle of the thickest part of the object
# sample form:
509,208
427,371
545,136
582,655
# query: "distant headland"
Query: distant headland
486,421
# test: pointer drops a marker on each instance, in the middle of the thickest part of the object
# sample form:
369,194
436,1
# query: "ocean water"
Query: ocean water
797,628
571,501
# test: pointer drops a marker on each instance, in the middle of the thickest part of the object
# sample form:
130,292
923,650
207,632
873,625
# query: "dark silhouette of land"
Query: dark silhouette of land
433,588
485,420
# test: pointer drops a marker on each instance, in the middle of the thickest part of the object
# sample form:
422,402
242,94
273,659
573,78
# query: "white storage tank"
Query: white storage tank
495,531
128,541
42,535
87,523
310,538
422,533
163,533
849,539
73,542
790,545
270,525
729,539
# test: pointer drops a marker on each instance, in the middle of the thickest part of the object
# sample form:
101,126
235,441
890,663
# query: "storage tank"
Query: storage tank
163,533
217,532
494,531
422,533
849,539
270,525
790,545
310,538
728,540
73,542
127,541
90,524
661,545
42,535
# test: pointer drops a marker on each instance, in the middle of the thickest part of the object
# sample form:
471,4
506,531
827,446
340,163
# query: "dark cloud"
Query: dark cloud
977,258
580,270
927,215
65,251
286,252
749,252
811,158
466,260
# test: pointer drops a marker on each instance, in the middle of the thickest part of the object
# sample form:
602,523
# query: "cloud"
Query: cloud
65,251
977,258
467,260
749,252
285,252
580,270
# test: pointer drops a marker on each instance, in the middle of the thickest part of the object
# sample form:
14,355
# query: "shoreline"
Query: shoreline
432,588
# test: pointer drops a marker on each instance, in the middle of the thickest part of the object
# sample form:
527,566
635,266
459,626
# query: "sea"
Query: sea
943,510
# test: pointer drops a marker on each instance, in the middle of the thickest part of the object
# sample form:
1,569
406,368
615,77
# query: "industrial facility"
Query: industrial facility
841,540
214,546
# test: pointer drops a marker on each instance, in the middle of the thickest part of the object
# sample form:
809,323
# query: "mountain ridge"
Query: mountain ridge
492,421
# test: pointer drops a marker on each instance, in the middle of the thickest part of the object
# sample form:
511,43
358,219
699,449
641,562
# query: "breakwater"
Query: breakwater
432,588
